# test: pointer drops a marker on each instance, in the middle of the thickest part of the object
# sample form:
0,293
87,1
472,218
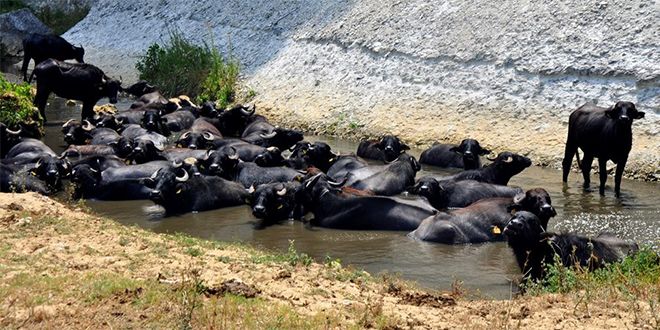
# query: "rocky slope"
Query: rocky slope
507,73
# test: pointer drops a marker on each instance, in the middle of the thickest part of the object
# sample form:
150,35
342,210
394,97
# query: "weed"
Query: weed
194,251
225,259
220,83
291,257
124,241
16,106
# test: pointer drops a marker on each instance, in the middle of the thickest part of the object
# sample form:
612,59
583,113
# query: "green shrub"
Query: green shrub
181,67
16,105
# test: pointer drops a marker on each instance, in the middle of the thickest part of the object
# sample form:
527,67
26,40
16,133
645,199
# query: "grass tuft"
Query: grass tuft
16,106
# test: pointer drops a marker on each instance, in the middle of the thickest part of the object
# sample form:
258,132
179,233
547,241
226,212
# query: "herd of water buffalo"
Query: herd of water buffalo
190,158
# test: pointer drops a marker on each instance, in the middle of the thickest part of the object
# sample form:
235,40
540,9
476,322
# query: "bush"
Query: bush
16,105
181,67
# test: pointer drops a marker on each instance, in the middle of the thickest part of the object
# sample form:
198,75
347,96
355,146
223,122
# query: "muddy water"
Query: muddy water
487,268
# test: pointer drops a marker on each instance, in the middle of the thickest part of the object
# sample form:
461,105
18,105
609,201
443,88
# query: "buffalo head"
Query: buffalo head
274,201
76,132
624,113
392,147
110,88
536,201
510,163
470,150
78,53
524,229
272,156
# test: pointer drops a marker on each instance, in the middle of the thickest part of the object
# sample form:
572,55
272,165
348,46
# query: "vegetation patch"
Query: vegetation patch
16,108
179,66
58,20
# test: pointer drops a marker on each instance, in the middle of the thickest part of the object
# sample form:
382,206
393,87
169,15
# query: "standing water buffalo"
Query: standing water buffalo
83,82
41,47
604,133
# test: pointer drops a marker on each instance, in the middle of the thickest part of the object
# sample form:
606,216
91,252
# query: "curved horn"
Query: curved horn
153,176
338,184
87,126
508,159
91,169
272,149
14,132
184,135
249,110
176,163
209,153
67,123
313,180
268,136
281,192
39,163
251,189
208,136
234,154
184,178
491,159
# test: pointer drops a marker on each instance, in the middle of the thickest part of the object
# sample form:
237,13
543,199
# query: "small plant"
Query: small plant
291,257
194,251
221,80
16,106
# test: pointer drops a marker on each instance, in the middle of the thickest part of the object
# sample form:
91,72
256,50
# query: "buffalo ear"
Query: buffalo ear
484,152
639,115
404,146
611,112
519,198
456,149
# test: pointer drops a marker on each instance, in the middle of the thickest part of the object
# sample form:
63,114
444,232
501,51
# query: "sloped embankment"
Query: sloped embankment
507,73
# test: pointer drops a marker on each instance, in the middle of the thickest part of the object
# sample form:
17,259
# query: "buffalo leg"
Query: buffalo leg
602,169
617,176
40,101
569,153
586,169
87,110
26,63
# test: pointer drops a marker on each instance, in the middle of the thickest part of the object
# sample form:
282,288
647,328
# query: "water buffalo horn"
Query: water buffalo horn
268,136
209,153
67,123
251,189
184,178
159,147
491,159
272,149
336,154
91,169
153,176
87,125
338,184
185,135
313,180
208,136
249,110
38,164
14,132
281,192
177,164
233,154
508,159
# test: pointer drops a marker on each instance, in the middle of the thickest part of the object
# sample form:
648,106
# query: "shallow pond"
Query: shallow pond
486,268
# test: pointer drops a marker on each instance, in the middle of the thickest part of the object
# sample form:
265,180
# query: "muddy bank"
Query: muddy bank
61,266
440,70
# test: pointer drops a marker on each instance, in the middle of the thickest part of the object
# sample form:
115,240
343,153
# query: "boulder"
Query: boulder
14,26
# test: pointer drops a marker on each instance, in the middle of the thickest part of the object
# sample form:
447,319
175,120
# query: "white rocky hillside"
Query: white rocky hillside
506,72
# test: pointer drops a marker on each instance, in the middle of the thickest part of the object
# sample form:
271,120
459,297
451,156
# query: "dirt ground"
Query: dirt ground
60,266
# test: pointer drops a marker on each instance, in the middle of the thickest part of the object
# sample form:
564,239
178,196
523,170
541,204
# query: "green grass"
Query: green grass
16,105
180,67
59,21
291,257
641,270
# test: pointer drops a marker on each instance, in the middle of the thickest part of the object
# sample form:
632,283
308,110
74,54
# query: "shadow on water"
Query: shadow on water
486,268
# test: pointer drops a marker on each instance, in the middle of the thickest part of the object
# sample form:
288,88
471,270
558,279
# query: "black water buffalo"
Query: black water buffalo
146,145
179,120
444,194
334,209
83,82
90,184
41,47
344,165
503,168
233,121
465,155
178,192
153,121
273,202
12,180
100,163
535,248
483,220
251,174
387,149
387,180
604,133
35,156
270,157
152,99
201,135
317,154
263,133
77,132
8,138
140,88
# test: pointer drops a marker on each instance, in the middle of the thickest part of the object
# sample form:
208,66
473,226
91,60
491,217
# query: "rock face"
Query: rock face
14,26
507,73
64,5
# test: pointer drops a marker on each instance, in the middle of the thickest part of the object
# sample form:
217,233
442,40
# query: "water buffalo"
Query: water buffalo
273,202
444,194
12,180
263,133
535,248
317,154
251,174
77,132
153,121
41,47
270,157
334,209
201,135
465,155
179,120
140,88
178,192
90,184
388,180
387,149
233,121
146,145
503,168
83,82
8,138
483,220
344,165
604,133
